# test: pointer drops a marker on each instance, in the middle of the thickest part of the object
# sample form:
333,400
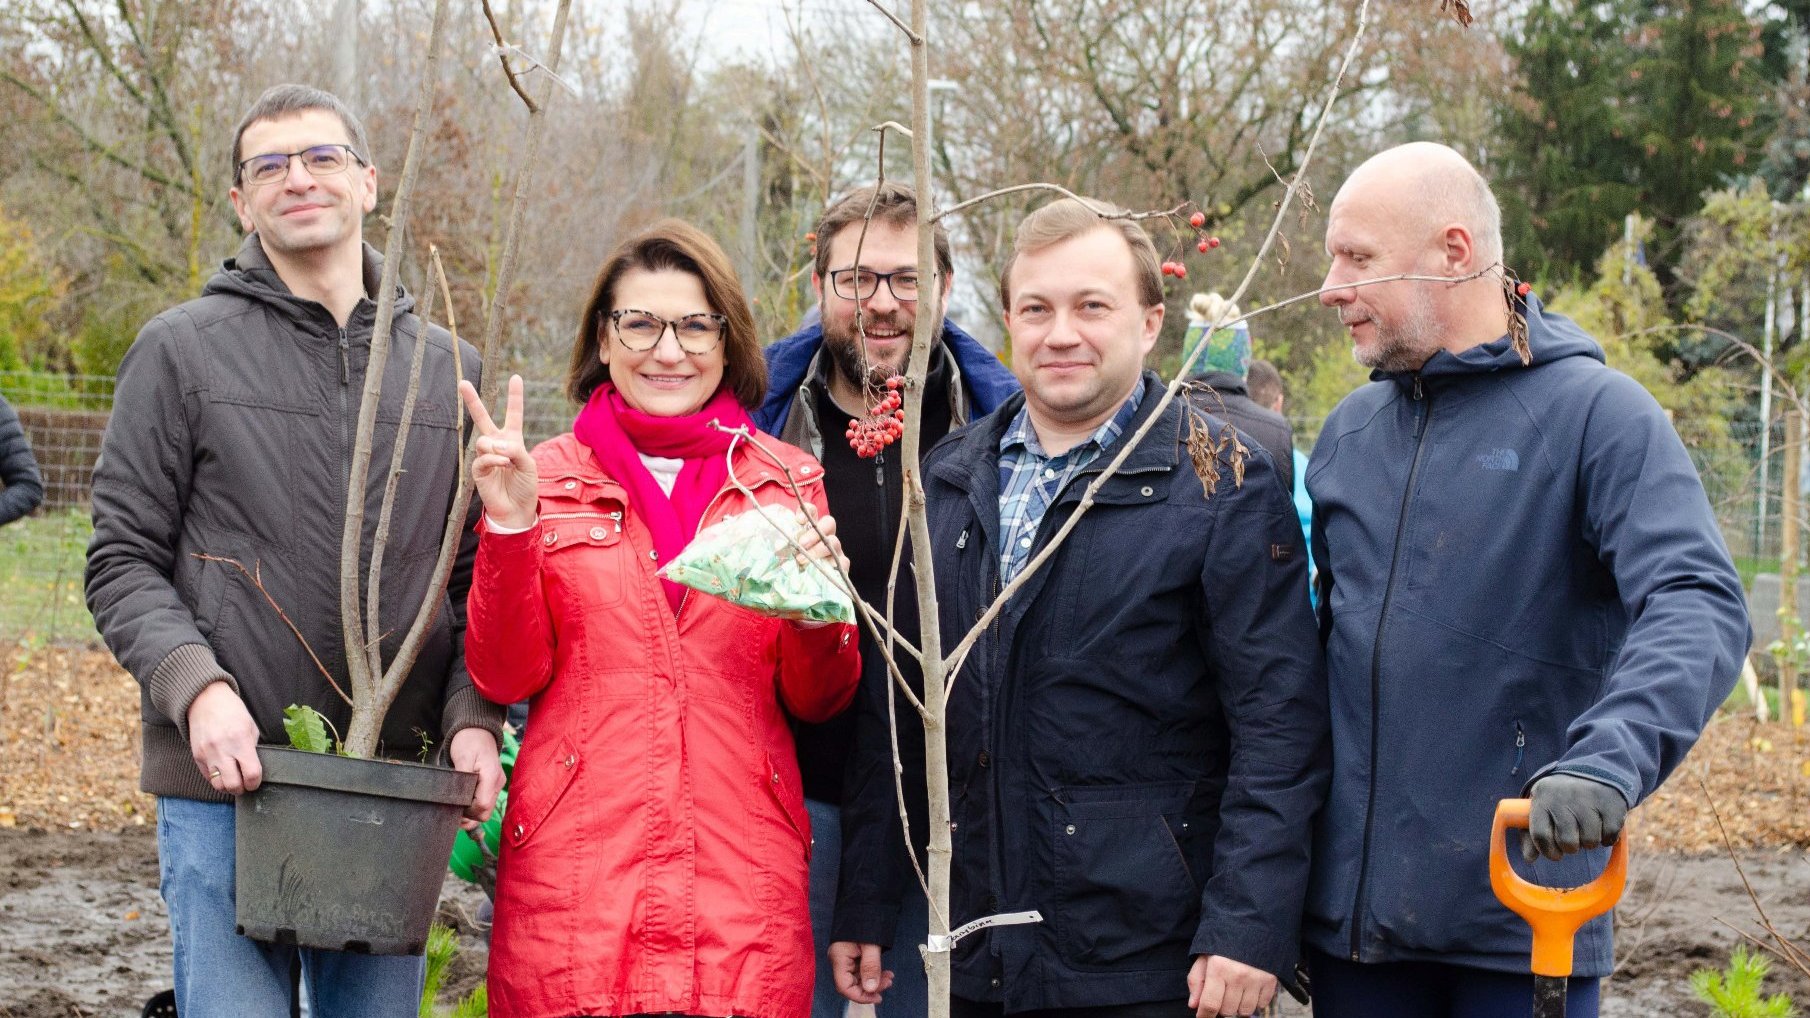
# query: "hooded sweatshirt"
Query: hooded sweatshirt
231,437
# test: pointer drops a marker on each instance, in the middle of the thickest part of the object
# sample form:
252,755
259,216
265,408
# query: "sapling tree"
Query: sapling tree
941,667
373,686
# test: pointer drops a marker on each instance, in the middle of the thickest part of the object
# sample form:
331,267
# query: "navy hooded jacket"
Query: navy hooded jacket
983,377
1519,574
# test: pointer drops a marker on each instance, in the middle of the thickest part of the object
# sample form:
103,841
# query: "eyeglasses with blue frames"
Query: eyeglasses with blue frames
641,331
318,160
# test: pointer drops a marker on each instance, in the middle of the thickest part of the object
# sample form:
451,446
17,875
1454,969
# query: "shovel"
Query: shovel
1554,913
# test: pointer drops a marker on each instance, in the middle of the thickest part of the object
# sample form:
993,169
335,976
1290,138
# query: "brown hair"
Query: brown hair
672,245
1067,218
1263,383
897,205
279,101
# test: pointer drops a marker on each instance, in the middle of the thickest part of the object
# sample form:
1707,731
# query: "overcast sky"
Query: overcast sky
752,28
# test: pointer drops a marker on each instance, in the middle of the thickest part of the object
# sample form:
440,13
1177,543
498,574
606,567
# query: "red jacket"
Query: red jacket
655,847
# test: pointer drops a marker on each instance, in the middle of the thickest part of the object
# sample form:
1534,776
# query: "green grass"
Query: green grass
1750,566
41,578
1740,703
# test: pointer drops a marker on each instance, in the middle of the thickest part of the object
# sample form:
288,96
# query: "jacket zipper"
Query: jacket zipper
1422,411
345,387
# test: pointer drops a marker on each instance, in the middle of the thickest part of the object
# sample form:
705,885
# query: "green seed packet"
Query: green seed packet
745,559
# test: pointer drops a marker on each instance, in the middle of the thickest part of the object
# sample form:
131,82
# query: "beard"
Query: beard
857,365
1404,345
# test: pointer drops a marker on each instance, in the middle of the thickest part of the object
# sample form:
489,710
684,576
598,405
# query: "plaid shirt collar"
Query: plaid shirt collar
1030,479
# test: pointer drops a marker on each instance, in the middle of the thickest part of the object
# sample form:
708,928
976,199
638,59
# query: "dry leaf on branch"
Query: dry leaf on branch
1458,9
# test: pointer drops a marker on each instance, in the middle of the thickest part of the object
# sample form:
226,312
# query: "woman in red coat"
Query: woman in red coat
655,848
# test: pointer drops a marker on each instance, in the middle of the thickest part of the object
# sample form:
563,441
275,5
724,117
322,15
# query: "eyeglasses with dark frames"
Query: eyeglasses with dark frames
318,160
641,331
860,284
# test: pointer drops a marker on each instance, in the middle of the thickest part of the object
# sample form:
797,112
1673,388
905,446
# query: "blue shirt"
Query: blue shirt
1030,479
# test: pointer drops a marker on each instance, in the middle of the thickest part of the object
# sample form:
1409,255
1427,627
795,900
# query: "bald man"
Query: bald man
1522,591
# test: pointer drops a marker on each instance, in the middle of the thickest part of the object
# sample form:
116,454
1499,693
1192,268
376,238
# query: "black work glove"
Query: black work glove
1571,813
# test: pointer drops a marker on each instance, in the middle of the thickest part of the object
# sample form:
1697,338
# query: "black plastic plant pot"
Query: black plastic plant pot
345,854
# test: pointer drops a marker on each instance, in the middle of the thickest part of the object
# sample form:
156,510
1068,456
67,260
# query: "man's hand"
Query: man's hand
856,968
223,739
474,750
1571,813
1217,985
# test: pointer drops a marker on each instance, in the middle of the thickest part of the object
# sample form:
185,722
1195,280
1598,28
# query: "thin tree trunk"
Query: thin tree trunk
404,662
498,312
1789,507
930,645
371,697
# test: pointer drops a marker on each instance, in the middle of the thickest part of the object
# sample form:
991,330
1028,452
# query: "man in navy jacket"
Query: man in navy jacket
1523,591
1137,745
819,379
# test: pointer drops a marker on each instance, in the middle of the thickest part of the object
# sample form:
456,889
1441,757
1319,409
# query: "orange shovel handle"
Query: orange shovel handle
1554,913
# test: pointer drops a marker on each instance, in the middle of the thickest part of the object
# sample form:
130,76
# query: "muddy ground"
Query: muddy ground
83,931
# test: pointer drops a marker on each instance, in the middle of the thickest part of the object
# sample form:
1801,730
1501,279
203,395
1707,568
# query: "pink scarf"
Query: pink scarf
618,434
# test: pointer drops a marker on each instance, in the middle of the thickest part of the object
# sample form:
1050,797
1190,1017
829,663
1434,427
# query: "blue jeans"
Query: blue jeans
220,973
910,993
1424,989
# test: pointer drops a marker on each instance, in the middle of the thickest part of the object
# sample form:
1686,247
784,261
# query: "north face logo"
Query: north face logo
1499,459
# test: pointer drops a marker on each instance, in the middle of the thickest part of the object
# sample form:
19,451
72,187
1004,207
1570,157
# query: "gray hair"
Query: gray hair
280,101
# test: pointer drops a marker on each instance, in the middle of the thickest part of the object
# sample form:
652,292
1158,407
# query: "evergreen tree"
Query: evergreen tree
1626,106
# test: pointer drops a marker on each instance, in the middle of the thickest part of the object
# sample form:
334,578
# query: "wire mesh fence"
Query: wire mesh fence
65,417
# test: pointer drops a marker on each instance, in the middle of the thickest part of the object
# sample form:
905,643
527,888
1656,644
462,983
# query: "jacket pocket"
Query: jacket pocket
551,846
781,794
530,806
1126,898
584,554
256,451
780,844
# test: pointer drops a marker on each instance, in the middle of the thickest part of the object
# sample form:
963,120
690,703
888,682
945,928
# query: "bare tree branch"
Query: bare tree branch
257,580
502,56
380,541
454,532
1066,193
916,39
89,141
498,311
371,694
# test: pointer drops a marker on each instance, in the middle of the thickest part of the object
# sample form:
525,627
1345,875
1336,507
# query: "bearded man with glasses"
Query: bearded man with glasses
828,373
231,435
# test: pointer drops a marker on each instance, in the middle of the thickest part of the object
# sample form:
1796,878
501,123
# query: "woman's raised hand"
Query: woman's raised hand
504,472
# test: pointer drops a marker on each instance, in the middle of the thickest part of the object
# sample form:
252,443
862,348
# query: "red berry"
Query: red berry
1168,268
1181,271
895,381
1212,241
1201,247
1197,220
1522,290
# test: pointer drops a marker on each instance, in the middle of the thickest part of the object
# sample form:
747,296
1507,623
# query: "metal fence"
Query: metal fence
65,417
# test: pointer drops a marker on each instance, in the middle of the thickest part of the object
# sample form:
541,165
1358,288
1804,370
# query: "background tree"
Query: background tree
1623,106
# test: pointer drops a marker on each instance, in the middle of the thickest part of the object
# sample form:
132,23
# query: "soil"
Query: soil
83,931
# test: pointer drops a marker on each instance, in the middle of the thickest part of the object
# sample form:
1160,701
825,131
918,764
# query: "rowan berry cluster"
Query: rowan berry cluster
1180,271
884,422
